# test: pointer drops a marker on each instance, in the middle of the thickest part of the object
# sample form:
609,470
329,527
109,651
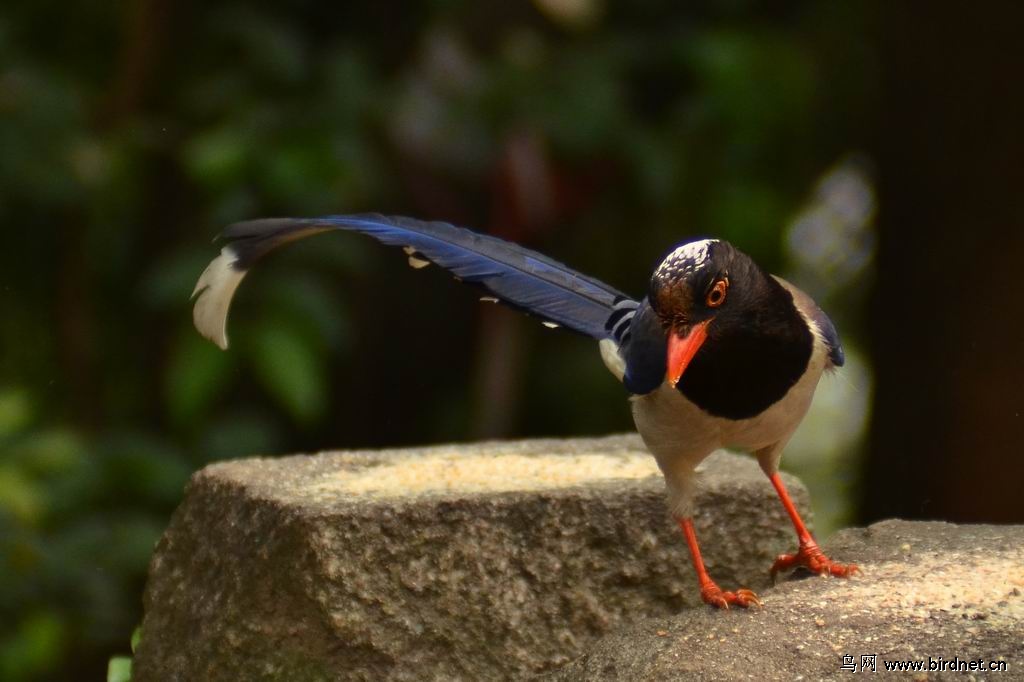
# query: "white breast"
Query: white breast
680,435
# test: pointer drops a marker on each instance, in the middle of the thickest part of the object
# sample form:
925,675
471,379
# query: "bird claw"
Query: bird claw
714,595
814,560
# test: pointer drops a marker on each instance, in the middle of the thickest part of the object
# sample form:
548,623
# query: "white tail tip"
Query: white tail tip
612,358
213,293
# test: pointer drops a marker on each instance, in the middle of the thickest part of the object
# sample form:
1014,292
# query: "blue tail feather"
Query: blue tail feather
519,277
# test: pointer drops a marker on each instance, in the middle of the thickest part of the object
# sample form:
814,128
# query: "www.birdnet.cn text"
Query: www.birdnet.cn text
869,663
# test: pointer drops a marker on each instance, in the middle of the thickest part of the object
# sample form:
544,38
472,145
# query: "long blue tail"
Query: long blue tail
516,276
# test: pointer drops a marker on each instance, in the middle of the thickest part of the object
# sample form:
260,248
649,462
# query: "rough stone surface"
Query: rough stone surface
472,562
927,590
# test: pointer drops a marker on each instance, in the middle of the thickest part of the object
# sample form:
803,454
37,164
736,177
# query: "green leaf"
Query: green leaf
748,214
217,158
136,637
34,647
760,83
49,453
310,306
198,372
290,368
15,410
119,669
21,496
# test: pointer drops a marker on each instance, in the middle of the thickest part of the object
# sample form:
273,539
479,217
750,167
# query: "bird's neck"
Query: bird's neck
753,355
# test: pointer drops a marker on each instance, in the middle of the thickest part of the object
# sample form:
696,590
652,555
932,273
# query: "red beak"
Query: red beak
681,350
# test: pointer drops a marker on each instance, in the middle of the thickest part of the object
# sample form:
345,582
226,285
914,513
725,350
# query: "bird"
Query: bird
717,353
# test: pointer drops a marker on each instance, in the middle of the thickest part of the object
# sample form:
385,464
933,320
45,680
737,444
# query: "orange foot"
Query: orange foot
813,559
714,595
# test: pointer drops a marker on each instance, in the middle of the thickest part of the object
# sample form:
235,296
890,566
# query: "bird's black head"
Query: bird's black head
735,340
692,282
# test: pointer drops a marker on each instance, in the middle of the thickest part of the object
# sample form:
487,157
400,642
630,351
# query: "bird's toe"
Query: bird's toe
814,560
719,598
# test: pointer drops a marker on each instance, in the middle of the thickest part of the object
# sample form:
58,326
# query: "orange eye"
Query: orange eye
716,296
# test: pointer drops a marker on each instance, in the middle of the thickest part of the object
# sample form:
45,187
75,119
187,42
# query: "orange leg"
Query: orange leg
809,555
709,591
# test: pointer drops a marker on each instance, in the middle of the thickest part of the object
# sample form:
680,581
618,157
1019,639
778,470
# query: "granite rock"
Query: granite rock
482,561
930,594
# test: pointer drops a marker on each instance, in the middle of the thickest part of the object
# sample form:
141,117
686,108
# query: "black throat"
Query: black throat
755,352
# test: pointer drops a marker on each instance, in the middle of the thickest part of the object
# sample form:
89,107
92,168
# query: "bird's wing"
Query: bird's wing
642,345
516,276
821,322
634,350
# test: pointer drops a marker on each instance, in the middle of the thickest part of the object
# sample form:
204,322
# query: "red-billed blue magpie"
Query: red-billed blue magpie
717,354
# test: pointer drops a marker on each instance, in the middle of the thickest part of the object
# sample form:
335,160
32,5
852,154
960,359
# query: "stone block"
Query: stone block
480,561
930,594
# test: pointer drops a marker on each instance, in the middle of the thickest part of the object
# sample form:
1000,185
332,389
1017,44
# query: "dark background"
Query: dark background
870,151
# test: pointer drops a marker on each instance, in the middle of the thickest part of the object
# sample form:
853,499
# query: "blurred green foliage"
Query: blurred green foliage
132,132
